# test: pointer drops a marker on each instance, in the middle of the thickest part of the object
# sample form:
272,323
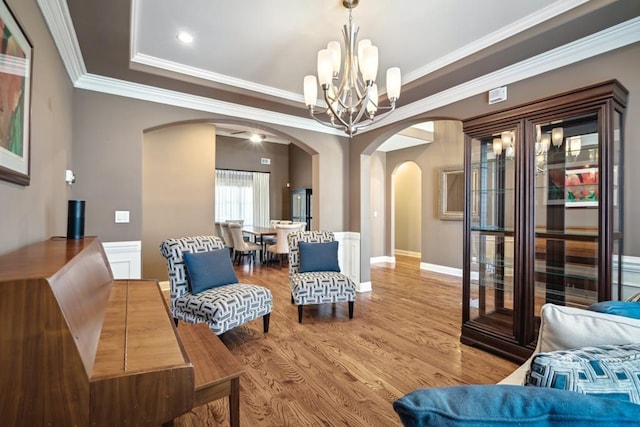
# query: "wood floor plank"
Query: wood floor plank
333,371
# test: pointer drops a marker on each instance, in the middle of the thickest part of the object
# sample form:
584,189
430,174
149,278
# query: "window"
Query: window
242,195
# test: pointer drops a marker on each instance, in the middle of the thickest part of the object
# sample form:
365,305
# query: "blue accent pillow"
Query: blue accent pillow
206,270
619,308
611,371
318,257
510,405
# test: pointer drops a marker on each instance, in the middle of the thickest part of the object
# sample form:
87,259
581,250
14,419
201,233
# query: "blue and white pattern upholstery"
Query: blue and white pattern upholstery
317,287
611,371
223,307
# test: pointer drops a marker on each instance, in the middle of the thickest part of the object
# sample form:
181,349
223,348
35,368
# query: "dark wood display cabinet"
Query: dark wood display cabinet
543,214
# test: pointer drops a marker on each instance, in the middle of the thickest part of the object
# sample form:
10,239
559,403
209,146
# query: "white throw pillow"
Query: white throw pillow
563,328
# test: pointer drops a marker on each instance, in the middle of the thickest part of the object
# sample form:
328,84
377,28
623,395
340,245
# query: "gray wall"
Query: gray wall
407,209
300,167
39,211
378,205
178,176
108,136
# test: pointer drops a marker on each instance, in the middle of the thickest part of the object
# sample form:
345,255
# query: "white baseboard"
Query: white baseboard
125,259
363,287
407,253
442,269
383,259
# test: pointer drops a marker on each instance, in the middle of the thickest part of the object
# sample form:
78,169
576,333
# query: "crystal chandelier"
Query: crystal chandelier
353,95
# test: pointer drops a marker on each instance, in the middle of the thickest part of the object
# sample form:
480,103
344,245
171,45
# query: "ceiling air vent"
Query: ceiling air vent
498,94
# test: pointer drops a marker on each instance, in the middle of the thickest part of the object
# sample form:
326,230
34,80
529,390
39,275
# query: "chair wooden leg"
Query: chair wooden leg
300,313
291,298
175,320
265,322
350,309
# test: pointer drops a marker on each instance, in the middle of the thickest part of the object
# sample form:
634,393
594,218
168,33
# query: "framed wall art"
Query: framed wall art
15,99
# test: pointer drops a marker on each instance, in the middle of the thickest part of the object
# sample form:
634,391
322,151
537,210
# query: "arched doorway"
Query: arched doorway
406,210
178,180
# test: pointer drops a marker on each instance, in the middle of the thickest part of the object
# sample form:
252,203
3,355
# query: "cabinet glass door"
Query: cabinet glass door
566,211
491,239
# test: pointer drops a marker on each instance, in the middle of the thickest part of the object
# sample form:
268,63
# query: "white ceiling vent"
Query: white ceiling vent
498,94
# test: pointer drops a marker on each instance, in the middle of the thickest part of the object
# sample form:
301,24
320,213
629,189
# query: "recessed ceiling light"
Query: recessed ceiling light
185,37
257,138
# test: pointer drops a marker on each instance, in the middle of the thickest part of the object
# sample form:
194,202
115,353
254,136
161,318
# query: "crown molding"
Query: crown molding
56,15
194,73
618,36
143,92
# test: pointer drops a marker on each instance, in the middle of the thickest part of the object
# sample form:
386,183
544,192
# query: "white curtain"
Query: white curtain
242,195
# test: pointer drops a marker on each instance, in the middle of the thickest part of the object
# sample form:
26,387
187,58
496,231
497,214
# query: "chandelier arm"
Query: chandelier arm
363,107
334,112
379,117
391,107
330,125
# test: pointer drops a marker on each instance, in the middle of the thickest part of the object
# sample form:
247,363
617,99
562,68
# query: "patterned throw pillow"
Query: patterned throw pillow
611,371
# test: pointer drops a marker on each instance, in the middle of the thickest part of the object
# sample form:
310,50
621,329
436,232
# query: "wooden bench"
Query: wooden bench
217,372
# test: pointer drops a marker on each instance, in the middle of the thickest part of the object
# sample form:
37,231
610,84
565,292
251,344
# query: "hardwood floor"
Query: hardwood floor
332,371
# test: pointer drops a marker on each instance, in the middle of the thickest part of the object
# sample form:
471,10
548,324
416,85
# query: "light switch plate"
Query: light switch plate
122,217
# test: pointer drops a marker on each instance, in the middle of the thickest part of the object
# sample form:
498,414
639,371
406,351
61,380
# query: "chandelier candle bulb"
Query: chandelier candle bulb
364,43
369,63
497,146
334,48
545,142
310,91
393,83
372,105
507,139
557,135
325,67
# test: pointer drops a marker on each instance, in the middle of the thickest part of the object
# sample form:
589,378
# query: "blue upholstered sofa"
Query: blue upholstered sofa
585,371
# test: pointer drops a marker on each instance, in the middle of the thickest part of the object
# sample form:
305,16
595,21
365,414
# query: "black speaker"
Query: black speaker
75,219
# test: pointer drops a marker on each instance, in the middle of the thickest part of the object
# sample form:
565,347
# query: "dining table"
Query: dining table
259,233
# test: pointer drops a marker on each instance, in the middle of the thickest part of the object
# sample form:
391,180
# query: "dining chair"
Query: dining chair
226,236
280,248
314,271
242,247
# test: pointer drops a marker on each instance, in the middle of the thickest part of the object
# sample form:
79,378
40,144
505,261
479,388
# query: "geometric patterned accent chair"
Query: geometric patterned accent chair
317,287
223,307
